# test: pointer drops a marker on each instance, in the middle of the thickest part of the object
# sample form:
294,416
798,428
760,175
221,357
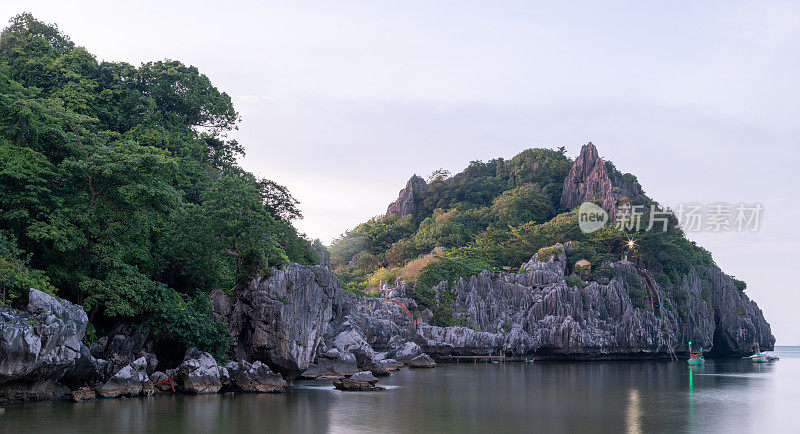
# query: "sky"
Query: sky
343,101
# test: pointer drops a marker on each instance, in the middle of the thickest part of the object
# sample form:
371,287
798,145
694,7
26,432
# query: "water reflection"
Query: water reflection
634,415
723,395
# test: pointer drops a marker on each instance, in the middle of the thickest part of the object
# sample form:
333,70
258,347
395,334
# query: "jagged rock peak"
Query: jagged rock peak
406,200
589,180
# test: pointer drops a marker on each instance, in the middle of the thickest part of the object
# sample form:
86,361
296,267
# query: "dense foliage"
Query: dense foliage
120,191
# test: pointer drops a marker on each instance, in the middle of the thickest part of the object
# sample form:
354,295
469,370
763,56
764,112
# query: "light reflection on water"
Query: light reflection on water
731,395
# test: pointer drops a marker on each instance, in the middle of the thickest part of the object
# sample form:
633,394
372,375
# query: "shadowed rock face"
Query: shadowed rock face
406,200
279,319
588,180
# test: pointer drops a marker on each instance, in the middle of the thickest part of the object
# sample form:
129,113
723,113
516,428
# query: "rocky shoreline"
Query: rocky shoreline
297,322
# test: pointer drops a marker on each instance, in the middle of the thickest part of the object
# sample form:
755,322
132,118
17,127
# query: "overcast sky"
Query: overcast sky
343,101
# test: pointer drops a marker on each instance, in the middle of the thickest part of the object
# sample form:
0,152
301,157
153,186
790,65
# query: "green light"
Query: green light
691,391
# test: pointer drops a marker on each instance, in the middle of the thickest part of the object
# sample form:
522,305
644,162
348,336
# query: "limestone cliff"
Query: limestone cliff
537,313
406,200
38,345
589,180
299,320
279,319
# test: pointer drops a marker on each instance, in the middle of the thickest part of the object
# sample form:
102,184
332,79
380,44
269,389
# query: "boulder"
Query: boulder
422,361
86,371
38,345
280,318
131,380
158,378
332,364
360,381
124,344
352,341
406,353
83,394
256,377
199,373
383,366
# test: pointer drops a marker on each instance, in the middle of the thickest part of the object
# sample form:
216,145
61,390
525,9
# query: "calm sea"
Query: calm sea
731,395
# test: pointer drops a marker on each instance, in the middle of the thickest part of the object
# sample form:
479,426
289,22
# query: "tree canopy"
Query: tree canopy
120,189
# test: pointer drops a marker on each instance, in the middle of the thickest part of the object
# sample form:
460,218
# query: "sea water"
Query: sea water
724,395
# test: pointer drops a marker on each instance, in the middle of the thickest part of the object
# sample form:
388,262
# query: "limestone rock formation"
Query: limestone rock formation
160,381
360,381
279,319
422,361
83,394
589,180
38,345
382,365
332,364
124,344
408,352
538,313
131,380
534,313
406,202
199,373
86,371
531,314
255,377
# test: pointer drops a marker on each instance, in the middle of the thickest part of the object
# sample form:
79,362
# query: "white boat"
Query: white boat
762,358
759,357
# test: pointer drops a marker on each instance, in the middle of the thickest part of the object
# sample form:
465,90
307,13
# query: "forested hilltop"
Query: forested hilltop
120,190
497,215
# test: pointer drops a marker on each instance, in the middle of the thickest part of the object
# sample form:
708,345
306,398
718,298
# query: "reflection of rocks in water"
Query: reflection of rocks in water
547,397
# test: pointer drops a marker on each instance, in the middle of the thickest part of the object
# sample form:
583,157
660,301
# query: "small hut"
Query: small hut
582,268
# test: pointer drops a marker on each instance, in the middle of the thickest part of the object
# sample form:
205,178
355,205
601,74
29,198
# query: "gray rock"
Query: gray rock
537,313
131,380
332,364
199,373
37,346
589,180
422,361
383,366
124,344
280,318
406,202
86,371
406,353
352,341
364,376
598,322
257,377
158,378
79,395
360,381
21,391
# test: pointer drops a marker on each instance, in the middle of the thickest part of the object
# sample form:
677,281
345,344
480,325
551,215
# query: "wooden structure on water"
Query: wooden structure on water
483,358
